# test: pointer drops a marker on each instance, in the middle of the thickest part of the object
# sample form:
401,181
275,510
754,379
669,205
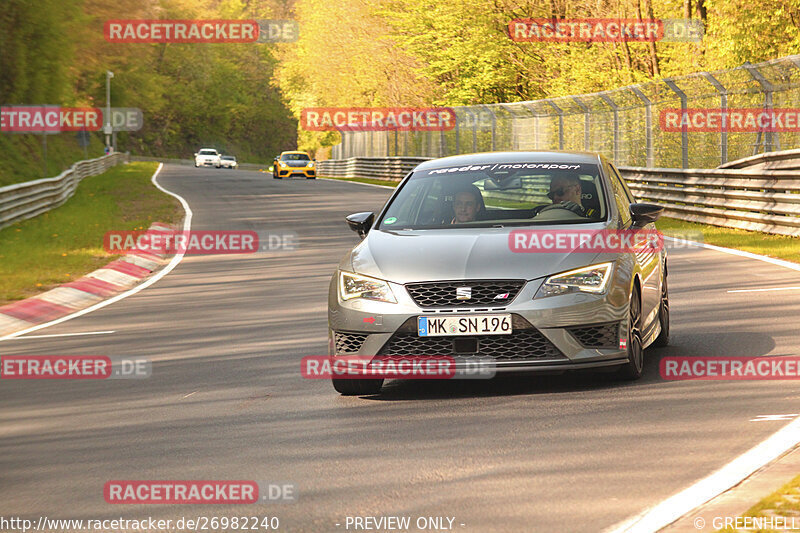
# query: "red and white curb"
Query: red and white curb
94,287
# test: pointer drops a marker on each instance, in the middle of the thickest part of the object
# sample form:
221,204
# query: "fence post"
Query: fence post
723,104
494,128
560,113
615,109
587,143
767,87
474,130
684,133
648,124
458,133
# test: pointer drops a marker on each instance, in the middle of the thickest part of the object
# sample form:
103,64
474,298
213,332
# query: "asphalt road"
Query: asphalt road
226,399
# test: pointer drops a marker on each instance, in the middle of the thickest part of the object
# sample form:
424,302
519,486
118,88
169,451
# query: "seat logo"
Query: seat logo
463,293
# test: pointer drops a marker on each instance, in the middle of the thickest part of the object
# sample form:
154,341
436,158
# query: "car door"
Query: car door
647,257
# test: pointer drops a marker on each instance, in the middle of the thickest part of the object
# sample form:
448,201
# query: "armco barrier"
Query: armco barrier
190,162
31,198
760,193
378,168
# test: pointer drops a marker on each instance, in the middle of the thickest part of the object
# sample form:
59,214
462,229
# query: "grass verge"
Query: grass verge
778,246
784,502
64,244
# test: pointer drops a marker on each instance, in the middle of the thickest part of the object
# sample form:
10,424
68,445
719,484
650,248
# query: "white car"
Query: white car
207,157
228,161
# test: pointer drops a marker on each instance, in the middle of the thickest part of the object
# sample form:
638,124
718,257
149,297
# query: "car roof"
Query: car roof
539,156
294,152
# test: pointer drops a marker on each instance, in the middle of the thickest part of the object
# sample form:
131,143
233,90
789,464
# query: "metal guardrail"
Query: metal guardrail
26,200
190,162
750,194
378,168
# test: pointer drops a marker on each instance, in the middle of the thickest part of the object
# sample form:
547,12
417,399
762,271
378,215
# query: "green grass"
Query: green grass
23,155
778,246
782,502
66,243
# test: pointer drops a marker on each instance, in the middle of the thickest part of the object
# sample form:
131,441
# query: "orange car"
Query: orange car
290,164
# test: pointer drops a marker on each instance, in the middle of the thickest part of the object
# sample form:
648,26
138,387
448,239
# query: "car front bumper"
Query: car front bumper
557,333
305,172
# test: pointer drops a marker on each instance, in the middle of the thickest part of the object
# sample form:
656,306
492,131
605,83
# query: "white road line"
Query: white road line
730,475
733,473
187,225
768,290
773,418
64,335
740,253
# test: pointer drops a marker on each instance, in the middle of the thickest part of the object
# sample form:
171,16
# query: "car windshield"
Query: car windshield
508,194
227,157
208,152
295,157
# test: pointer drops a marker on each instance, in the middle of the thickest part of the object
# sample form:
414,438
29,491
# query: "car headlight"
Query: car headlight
592,279
281,163
310,164
357,286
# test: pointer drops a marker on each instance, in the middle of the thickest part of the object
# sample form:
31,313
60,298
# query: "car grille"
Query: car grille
484,292
597,336
525,343
349,342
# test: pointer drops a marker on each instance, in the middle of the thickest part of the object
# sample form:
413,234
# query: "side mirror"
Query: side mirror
645,213
360,222
195,154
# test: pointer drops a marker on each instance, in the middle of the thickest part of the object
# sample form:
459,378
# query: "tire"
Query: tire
357,387
632,370
663,315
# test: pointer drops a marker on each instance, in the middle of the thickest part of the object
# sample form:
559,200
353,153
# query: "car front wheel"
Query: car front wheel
663,315
632,370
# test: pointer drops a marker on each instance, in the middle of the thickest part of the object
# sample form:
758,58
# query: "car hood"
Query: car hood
296,163
452,254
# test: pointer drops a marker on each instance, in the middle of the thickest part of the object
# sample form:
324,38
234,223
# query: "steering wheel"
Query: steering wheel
568,205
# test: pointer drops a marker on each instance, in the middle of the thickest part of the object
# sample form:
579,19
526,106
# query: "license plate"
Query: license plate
440,326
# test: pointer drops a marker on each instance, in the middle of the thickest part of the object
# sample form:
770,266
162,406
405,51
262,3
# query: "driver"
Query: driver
565,193
467,204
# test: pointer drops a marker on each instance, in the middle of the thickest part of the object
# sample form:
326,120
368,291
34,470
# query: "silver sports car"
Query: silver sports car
536,261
